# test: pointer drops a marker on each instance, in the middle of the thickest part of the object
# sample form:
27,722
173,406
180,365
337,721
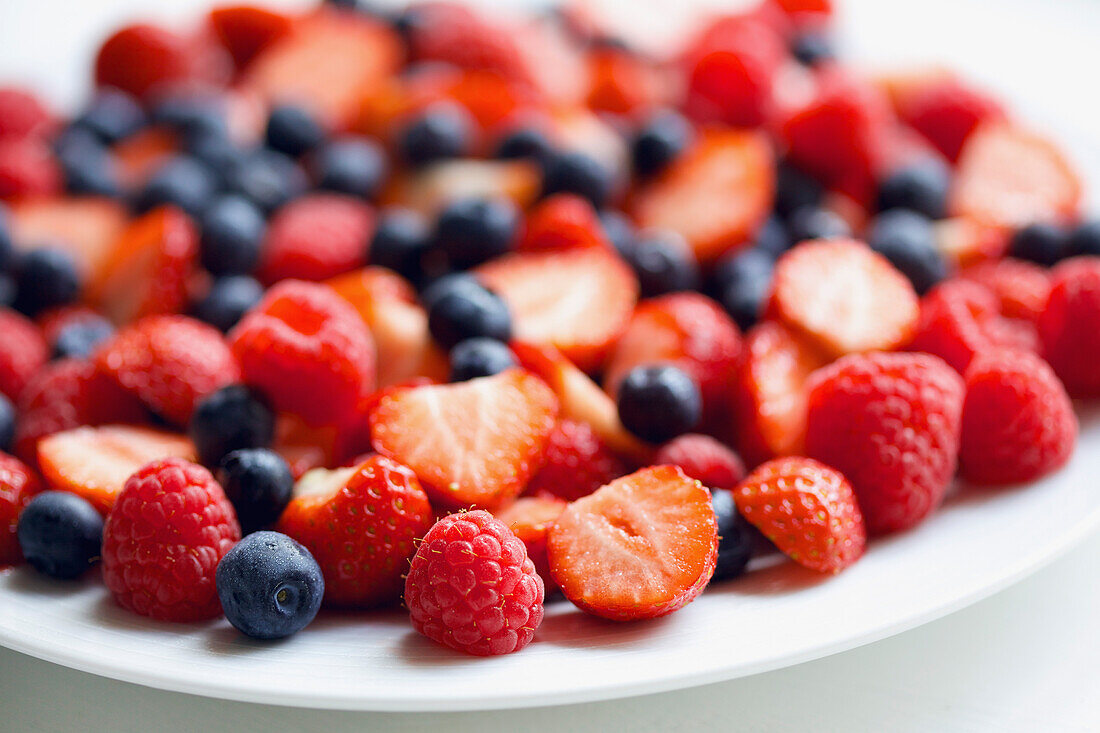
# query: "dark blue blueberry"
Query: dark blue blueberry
7,423
267,179
908,240
60,534
230,419
89,168
111,115
812,222
259,483
576,172
479,357
811,48
47,278
192,115
663,263
228,299
735,537
658,142
1044,243
181,181
400,242
1085,239
742,283
619,230
269,585
524,142
921,186
459,309
473,230
772,237
450,282
441,131
8,290
218,153
795,190
7,247
80,338
292,130
352,165
232,233
659,402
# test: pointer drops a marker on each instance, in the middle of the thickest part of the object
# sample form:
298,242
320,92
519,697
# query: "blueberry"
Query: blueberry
619,230
352,165
228,299
473,230
400,241
267,179
7,423
232,233
1085,239
908,240
181,181
920,186
442,131
259,484
735,535
812,222
658,142
479,357
1044,243
230,419
811,48
89,168
292,130
8,290
772,237
218,153
60,534
657,403
111,115
47,278
795,190
524,142
269,585
7,247
80,338
462,309
664,263
742,283
192,115
576,172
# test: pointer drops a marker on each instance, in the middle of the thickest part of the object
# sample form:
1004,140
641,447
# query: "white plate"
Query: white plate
772,617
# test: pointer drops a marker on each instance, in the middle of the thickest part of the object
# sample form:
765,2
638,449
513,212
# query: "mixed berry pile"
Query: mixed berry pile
458,312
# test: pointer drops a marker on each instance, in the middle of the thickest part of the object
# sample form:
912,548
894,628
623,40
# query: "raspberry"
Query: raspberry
27,168
704,459
1070,325
316,237
23,351
1017,420
1022,287
22,114
575,463
17,485
170,363
307,350
162,541
472,587
563,221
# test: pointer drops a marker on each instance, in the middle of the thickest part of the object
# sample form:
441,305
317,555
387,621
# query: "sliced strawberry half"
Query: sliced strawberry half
87,228
246,30
429,190
474,443
642,546
530,519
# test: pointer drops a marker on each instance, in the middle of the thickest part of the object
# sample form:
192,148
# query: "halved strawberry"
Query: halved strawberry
578,301
622,82
430,189
715,194
303,446
563,221
1010,177
964,241
844,296
86,228
943,108
575,463
642,546
474,443
94,463
246,30
769,397
530,519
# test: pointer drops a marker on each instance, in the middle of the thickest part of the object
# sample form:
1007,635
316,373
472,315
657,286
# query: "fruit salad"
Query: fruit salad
352,308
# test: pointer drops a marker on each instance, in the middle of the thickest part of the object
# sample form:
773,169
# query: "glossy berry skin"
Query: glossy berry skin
400,242
23,351
441,131
60,534
259,484
88,168
232,233
466,310
524,142
921,187
658,141
163,539
735,537
657,403
77,340
704,459
663,263
743,282
811,222
181,181
267,178
270,587
1043,243
292,130
47,278
579,173
472,231
111,115
355,166
1069,327
479,357
18,483
315,237
575,463
7,423
890,423
1085,239
228,299
772,237
618,229
229,419
1017,421
472,587
908,240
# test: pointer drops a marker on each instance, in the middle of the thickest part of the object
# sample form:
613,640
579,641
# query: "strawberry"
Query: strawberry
360,524
1023,288
142,59
964,241
17,485
622,82
22,114
811,13
315,237
428,190
890,424
1017,420
704,459
138,155
530,519
246,30
715,194
23,351
844,296
578,301
27,169
454,34
94,463
1069,326
1010,177
170,363
303,446
643,546
807,510
472,443
575,463
945,110
562,221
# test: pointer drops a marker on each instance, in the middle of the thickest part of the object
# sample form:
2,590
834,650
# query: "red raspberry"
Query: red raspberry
27,168
1070,325
22,114
23,351
575,463
530,519
1022,287
162,541
1017,420
17,485
890,423
308,350
170,363
563,221
704,459
472,587
316,237
361,524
